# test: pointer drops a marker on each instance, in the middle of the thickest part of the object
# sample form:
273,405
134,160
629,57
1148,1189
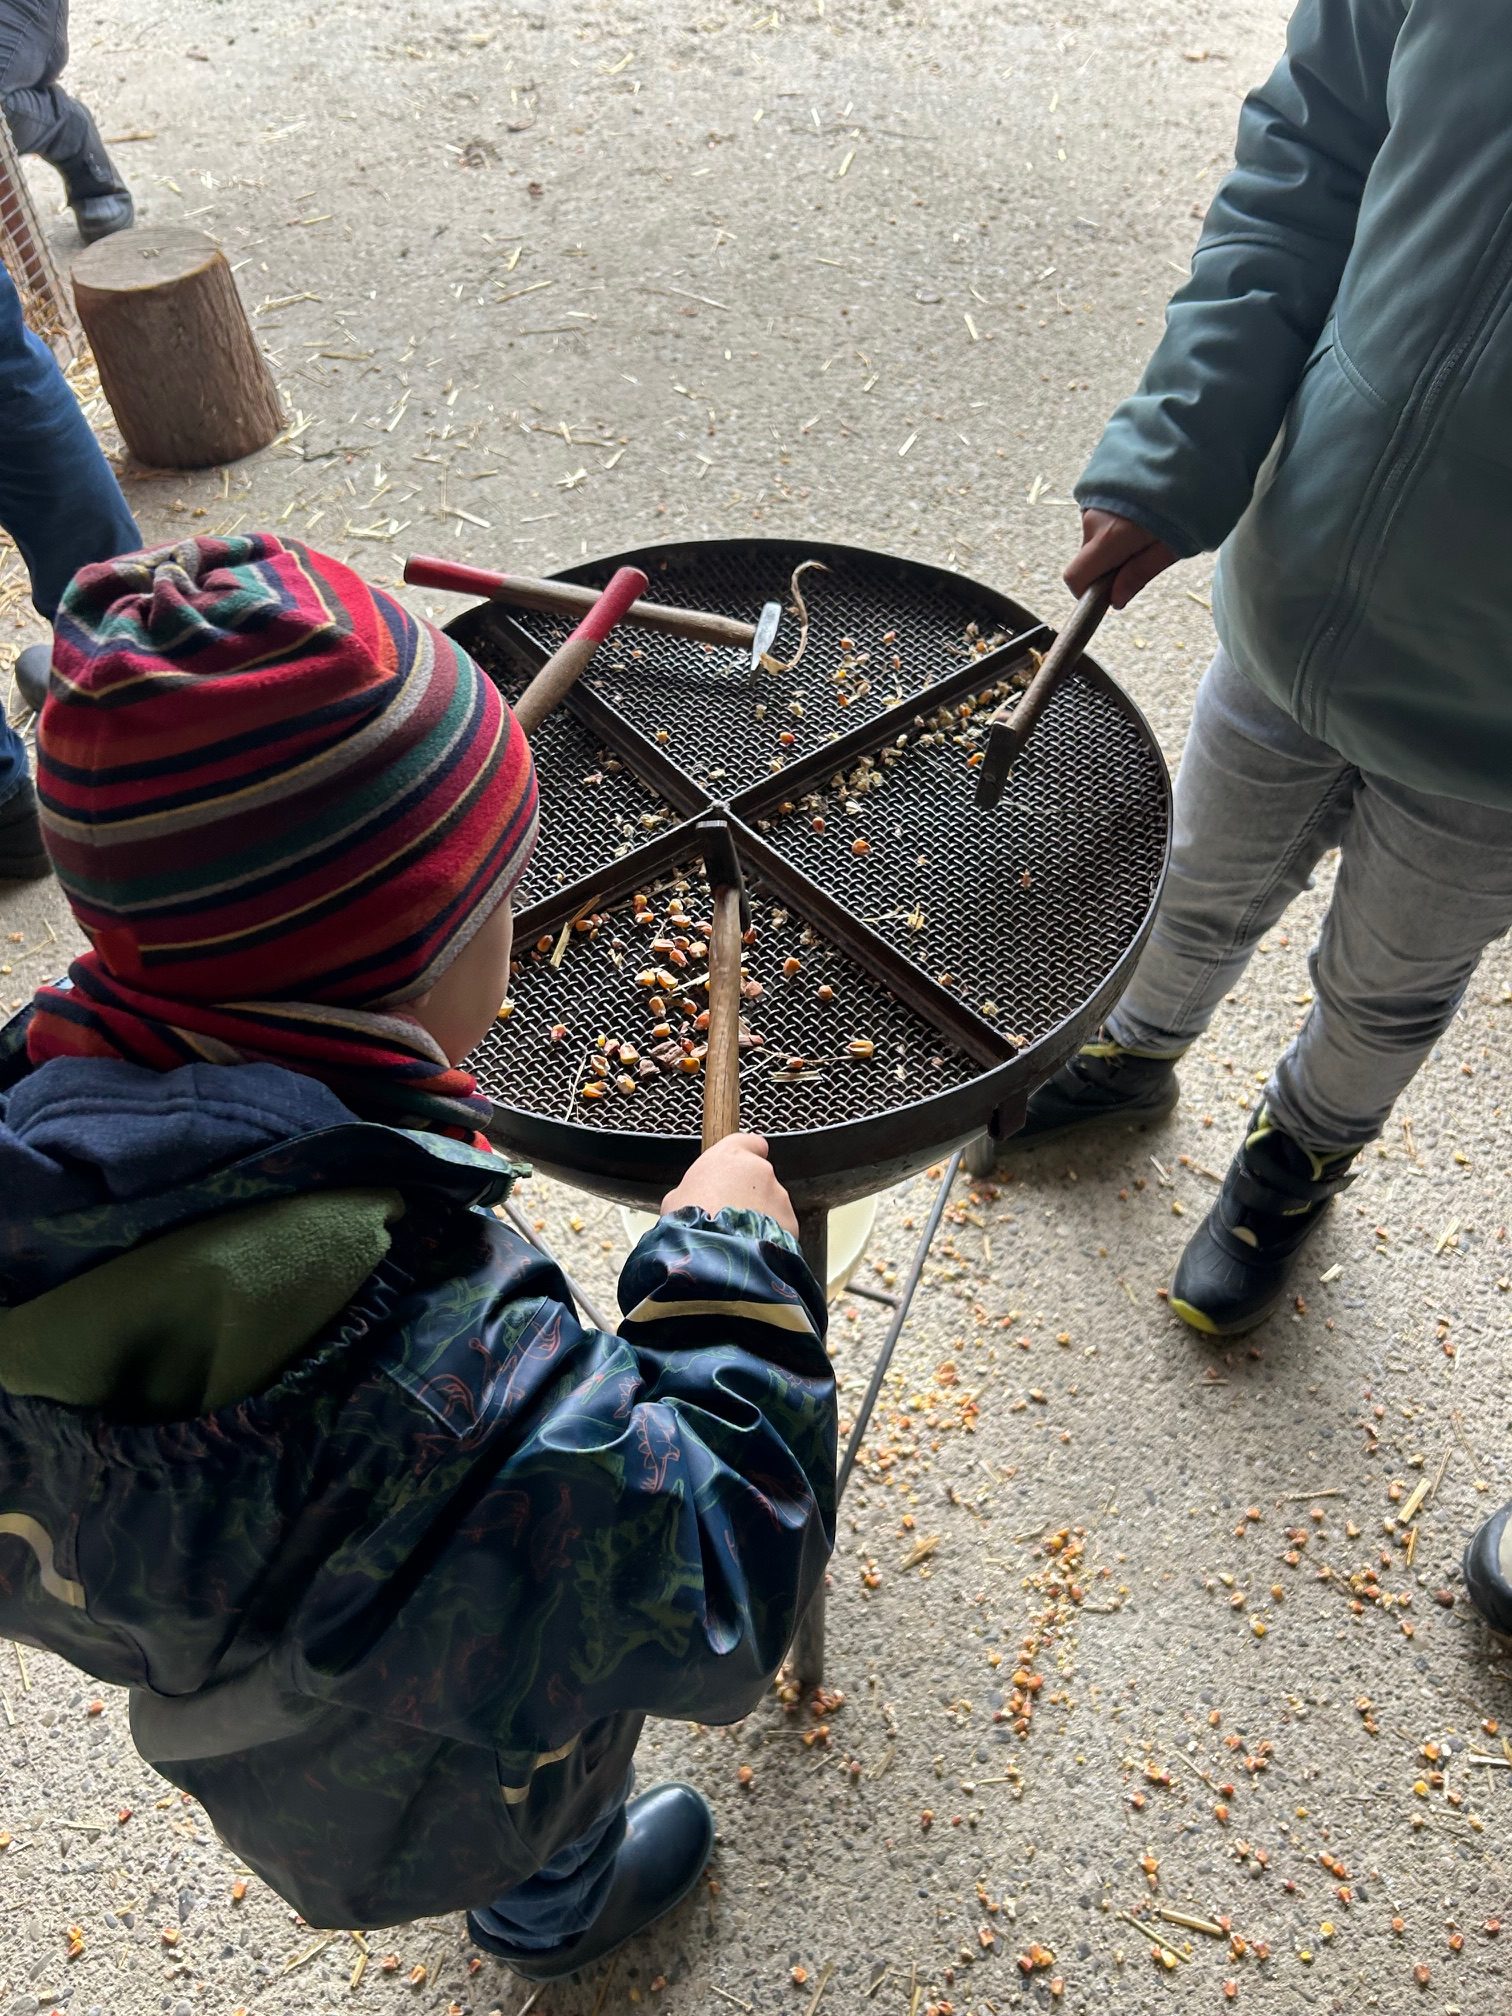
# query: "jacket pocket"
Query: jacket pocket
1323,351
1322,348
1314,487
1290,554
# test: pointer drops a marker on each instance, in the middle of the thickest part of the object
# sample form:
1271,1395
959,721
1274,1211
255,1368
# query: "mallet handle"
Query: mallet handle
566,598
567,664
721,1113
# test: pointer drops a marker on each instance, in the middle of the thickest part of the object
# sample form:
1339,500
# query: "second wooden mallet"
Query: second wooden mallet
721,1110
569,661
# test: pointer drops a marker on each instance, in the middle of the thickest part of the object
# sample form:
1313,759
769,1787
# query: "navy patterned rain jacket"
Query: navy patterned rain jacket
303,1446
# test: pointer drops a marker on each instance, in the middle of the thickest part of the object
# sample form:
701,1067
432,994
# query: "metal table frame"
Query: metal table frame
827,1164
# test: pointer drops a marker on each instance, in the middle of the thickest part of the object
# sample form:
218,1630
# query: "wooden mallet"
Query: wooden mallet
721,1109
569,661
1013,723
567,598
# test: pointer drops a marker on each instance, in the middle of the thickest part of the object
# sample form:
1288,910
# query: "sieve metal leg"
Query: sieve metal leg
529,1234
981,1155
808,1640
901,1308
808,1643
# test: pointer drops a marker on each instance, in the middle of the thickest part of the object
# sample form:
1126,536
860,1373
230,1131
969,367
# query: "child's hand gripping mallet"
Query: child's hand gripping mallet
721,1112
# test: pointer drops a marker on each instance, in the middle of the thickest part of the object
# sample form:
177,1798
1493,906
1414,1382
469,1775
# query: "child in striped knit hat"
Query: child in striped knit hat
297,1440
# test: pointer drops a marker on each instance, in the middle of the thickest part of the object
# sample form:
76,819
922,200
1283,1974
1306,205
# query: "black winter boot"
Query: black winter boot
1488,1571
99,199
23,858
1103,1081
32,670
1235,1267
668,1841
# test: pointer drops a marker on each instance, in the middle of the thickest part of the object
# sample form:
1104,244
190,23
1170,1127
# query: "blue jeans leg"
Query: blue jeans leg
12,760
567,1893
58,499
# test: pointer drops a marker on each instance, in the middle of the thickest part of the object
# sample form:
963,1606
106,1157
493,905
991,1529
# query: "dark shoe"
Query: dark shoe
99,199
666,1849
1103,1081
101,216
32,669
1488,1571
23,858
1234,1270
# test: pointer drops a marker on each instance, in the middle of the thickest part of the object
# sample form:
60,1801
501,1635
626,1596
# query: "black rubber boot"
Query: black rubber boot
1103,1081
669,1838
1488,1571
23,858
33,668
99,199
1236,1264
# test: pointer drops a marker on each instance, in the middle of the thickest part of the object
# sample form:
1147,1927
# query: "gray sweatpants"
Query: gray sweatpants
43,118
1424,885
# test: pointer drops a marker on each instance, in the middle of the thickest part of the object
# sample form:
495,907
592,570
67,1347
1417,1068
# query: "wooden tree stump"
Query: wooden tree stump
178,360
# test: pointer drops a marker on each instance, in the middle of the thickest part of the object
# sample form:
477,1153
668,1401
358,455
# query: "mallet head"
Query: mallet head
722,863
766,634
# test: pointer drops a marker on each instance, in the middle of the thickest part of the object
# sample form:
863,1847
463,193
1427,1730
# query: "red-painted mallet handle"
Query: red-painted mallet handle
567,664
566,598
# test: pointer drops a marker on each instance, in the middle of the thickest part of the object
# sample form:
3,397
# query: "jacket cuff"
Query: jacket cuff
1177,537
744,1224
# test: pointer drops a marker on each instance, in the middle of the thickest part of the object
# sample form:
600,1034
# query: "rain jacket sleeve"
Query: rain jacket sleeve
584,1524
1181,456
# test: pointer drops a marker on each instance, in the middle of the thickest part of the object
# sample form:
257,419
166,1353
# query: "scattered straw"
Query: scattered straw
824,1981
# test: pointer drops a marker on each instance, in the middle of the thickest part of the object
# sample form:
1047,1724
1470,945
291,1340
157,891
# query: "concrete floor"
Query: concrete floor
544,282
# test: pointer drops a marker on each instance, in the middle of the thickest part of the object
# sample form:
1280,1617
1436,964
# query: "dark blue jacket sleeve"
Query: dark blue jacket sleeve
587,1524
1181,456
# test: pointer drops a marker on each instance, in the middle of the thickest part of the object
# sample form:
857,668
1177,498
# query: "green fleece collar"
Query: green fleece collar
201,1316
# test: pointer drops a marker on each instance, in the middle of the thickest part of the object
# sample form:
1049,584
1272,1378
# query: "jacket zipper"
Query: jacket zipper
1415,420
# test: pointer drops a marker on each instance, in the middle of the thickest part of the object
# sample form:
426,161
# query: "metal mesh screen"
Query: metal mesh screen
45,297
594,808
1021,909
803,1075
905,627
1020,914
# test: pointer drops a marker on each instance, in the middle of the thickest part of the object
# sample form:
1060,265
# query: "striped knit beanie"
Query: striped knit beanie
262,779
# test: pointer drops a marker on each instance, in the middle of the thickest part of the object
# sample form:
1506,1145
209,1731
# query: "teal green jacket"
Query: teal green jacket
1331,402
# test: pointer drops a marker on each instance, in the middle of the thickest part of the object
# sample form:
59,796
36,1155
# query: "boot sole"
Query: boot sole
1142,1116
1208,1326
